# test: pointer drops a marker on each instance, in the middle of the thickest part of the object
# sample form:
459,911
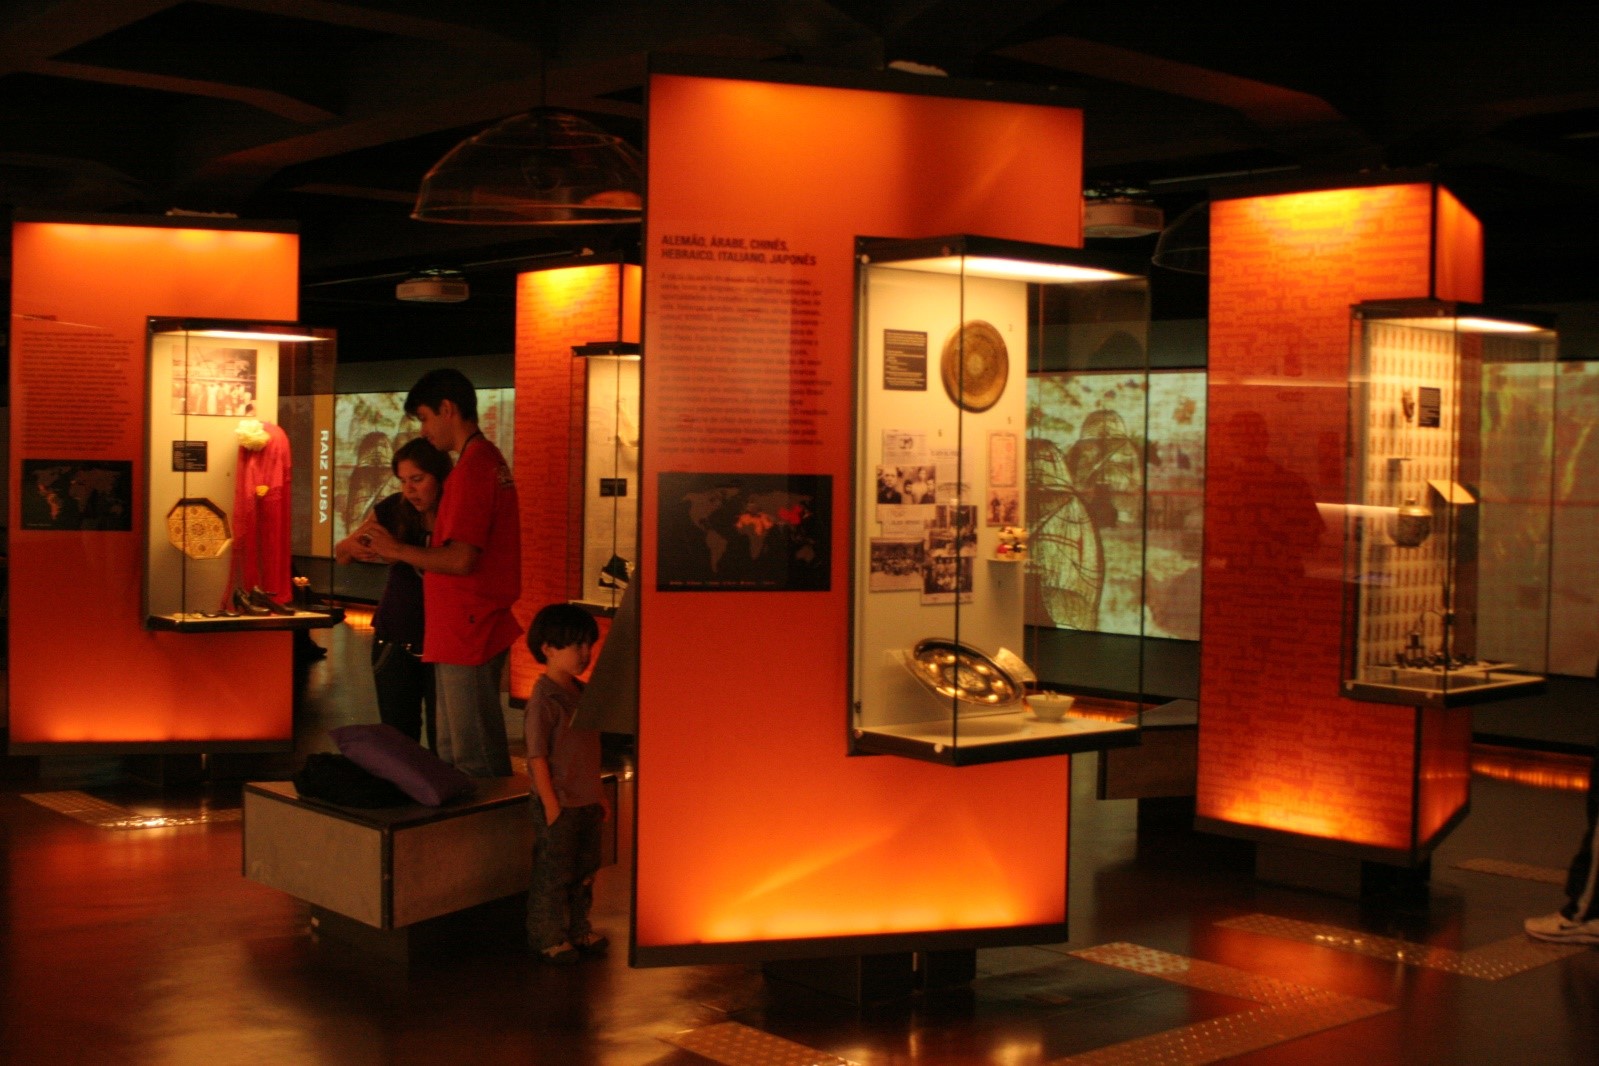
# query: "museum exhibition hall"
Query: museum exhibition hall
1089,513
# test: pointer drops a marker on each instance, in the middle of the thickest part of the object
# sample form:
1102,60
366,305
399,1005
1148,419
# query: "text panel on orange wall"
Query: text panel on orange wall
83,670
754,825
1279,747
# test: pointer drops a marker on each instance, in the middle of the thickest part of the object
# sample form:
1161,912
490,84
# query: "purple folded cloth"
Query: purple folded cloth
385,752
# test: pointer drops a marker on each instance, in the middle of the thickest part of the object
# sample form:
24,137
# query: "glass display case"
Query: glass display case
1449,516
610,457
219,515
973,512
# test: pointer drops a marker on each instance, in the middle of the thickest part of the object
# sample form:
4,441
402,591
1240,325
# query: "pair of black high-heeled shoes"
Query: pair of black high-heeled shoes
256,602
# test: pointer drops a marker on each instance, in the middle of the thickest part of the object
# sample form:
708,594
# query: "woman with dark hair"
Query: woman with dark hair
404,682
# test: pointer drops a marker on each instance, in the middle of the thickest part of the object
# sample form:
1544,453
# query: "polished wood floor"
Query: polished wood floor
148,946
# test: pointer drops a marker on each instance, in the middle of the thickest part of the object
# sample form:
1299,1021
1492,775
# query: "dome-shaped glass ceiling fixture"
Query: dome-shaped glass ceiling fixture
543,167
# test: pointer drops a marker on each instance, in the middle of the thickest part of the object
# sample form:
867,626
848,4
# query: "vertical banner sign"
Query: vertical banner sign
322,482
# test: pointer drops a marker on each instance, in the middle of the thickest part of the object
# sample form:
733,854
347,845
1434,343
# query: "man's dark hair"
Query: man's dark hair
436,386
560,625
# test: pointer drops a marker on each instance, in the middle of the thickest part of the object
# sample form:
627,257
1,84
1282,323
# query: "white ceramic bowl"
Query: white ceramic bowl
1049,706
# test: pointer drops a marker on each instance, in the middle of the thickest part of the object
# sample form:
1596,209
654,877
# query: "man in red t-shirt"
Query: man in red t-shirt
471,575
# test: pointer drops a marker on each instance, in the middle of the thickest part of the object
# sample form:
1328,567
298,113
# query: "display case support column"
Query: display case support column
860,980
1336,875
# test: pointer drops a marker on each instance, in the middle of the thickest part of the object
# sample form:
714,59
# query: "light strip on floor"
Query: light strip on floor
91,810
1287,1012
1492,962
1546,874
733,1044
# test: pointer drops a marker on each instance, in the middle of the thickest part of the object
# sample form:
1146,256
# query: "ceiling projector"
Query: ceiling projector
1120,217
434,287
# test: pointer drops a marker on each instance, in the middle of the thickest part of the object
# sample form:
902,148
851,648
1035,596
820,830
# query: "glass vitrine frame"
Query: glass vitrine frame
610,377
206,378
946,514
1448,516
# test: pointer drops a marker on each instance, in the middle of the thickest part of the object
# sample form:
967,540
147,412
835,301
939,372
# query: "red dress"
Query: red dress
261,518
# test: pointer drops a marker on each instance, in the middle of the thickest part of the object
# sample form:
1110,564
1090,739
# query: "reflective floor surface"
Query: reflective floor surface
130,936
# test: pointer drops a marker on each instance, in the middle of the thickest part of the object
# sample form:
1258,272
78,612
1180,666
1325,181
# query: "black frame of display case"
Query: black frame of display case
1513,683
221,623
886,251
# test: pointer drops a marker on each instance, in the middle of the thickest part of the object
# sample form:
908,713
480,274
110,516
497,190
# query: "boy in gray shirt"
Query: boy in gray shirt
568,802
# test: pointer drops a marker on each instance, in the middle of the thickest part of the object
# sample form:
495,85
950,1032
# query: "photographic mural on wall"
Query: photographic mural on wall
1115,485
1574,580
369,427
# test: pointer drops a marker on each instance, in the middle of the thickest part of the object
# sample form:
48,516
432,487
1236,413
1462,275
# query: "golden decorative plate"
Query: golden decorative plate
975,366
198,528
959,671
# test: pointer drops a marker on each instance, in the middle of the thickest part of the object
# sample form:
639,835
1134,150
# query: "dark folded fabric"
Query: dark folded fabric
335,779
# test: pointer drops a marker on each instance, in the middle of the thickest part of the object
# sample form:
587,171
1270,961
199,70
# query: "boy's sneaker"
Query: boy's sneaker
562,954
1559,929
592,943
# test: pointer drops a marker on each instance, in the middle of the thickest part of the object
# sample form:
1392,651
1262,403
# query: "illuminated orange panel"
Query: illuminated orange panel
1459,251
556,309
753,824
83,671
1279,748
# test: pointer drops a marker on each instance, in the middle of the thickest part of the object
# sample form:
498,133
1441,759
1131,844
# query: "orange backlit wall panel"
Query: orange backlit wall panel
1279,748
83,671
556,309
754,826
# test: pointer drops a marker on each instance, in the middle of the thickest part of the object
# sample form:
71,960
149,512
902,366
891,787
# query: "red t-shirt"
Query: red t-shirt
469,617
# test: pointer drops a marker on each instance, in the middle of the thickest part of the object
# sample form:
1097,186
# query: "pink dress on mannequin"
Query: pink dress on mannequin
261,517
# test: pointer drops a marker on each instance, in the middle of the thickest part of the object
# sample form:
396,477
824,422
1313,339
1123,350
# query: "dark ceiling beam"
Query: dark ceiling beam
38,33
1299,124
273,103
409,115
394,101
950,33
465,30
1501,154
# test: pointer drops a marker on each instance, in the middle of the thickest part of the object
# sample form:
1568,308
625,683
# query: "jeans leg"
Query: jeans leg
471,722
1582,879
554,852
585,864
396,676
428,685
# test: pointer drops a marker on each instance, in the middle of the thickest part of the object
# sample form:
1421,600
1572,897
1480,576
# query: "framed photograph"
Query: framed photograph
744,532
915,484
950,555
896,565
1004,507
946,575
214,381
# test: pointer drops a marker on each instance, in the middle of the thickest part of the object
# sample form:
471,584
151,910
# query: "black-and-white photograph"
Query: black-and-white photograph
214,381
907,484
1004,507
946,576
896,565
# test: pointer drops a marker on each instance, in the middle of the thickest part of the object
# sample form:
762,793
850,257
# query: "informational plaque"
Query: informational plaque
189,456
905,360
1430,407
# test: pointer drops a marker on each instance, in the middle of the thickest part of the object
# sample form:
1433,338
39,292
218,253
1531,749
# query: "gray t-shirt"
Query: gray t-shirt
574,754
